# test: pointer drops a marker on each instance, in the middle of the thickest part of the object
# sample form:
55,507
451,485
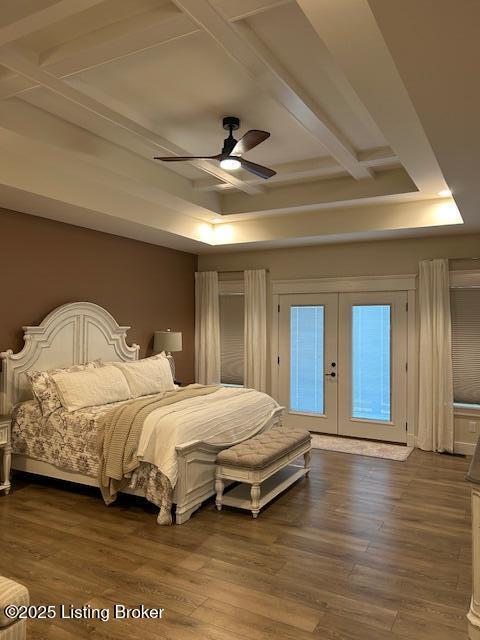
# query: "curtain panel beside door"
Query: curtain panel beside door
435,411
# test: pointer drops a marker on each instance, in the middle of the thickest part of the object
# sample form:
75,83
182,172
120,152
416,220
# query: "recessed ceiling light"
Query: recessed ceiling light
223,234
445,193
230,164
448,213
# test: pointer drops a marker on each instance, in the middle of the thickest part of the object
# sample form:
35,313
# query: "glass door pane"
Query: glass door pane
306,359
371,362
307,350
372,358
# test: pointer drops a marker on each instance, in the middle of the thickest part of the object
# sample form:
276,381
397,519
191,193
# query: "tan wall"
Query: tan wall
386,257
44,264
357,258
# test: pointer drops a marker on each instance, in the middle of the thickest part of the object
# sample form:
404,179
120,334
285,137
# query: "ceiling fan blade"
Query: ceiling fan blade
181,158
250,140
257,169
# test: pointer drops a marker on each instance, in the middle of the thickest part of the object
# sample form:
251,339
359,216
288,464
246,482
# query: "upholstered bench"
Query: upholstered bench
12,593
263,462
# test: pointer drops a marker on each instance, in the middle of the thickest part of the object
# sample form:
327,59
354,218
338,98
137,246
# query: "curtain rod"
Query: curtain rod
240,271
453,258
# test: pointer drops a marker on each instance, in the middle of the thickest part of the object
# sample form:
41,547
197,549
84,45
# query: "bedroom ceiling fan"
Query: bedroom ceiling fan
231,155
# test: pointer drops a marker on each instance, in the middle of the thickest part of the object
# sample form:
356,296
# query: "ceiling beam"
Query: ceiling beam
244,46
127,37
21,63
144,31
309,169
349,30
120,40
20,24
101,46
235,10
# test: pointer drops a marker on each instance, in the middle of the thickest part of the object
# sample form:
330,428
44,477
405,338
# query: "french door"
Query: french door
342,363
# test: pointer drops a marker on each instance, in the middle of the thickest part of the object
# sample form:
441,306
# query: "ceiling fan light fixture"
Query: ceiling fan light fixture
231,156
230,164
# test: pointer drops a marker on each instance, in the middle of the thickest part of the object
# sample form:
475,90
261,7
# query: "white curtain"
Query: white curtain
255,366
207,328
435,419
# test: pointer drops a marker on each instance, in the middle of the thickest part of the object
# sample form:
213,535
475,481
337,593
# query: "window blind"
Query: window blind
306,358
465,310
231,338
371,362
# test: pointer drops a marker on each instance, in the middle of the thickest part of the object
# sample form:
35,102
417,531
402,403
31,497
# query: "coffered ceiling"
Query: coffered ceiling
91,90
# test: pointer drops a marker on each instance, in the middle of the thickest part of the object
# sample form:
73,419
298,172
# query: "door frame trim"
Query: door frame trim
406,282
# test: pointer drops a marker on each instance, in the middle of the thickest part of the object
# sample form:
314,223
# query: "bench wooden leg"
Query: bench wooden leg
307,456
219,486
255,496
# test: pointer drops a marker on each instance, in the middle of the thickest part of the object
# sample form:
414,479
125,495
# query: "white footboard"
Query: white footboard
196,471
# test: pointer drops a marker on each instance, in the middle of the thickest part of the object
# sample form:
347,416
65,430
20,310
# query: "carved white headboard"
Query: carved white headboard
71,334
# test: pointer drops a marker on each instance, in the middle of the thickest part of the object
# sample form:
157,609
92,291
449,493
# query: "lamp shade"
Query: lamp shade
167,341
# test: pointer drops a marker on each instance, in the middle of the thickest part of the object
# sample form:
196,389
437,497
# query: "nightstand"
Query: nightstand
6,448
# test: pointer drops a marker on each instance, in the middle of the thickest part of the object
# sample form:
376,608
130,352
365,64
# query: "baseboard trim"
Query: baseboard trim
465,448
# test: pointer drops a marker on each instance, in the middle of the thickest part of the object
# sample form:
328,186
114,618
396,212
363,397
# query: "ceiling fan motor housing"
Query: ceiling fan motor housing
230,123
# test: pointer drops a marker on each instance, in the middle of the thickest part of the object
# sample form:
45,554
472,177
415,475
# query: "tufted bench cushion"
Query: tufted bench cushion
260,451
12,592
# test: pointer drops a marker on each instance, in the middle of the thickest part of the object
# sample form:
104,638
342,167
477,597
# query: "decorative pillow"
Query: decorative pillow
91,388
147,376
44,388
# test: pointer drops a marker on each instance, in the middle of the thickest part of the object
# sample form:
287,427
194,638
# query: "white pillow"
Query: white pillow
91,388
144,377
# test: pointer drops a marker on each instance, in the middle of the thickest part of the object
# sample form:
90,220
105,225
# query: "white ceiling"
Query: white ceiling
364,131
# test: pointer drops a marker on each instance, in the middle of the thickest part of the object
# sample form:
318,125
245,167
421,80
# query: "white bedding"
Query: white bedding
68,440
226,416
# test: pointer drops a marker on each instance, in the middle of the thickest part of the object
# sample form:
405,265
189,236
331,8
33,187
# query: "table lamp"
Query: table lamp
168,341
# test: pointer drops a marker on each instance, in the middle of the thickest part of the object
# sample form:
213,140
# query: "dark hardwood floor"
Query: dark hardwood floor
366,549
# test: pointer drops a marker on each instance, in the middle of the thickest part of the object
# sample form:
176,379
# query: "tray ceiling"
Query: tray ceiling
91,90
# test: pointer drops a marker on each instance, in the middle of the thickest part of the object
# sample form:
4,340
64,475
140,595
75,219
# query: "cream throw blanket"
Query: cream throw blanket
119,431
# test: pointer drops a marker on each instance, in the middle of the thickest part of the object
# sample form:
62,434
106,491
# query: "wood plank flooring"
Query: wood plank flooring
366,549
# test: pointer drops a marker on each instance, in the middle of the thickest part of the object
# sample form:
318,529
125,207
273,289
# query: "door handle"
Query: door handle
331,375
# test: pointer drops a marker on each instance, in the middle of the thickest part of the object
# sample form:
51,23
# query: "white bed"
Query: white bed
80,332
